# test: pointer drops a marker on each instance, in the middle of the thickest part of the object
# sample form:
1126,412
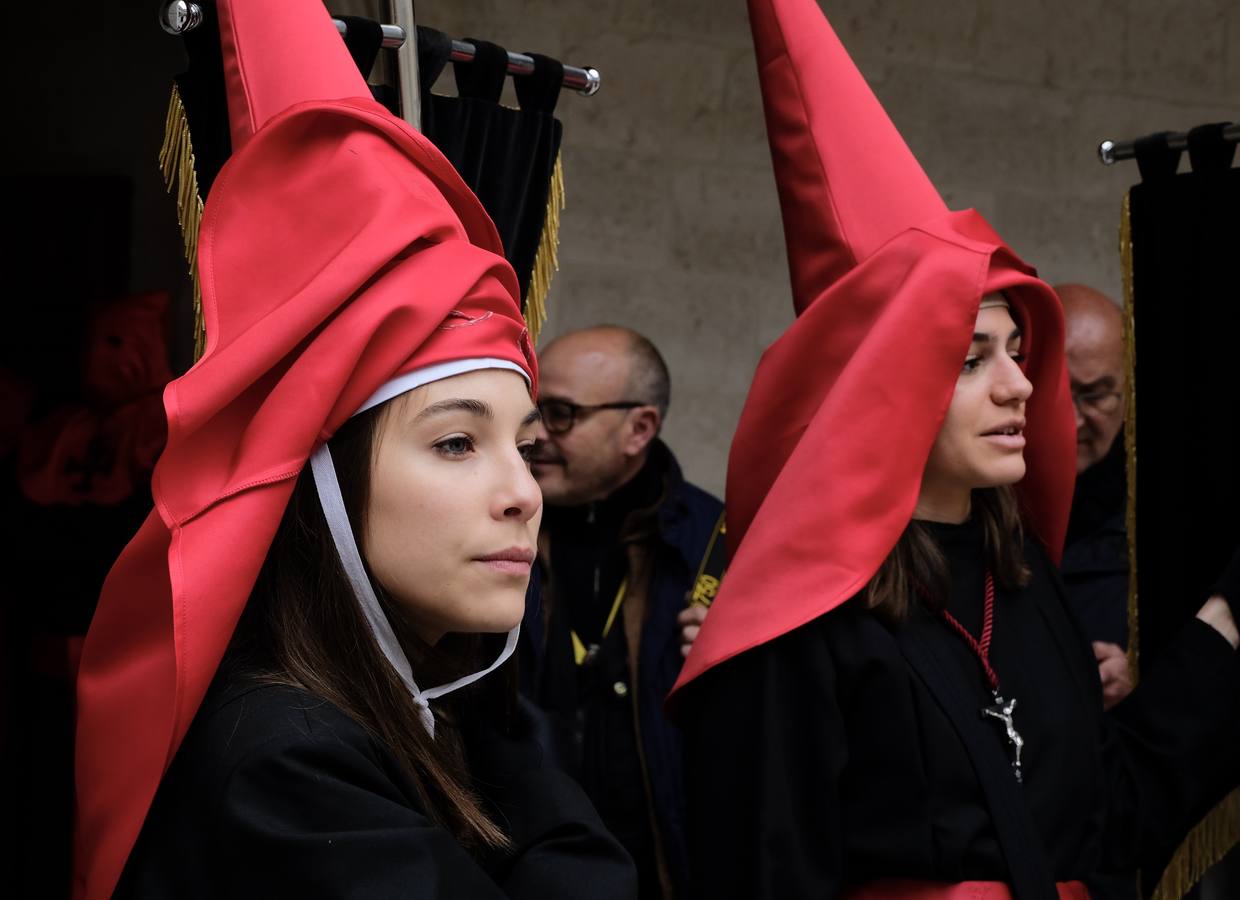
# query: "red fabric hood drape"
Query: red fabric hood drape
826,463
338,249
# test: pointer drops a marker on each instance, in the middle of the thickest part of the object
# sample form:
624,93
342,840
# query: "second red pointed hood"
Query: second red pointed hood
847,181
826,464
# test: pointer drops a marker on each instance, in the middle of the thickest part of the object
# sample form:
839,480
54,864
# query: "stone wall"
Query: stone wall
672,224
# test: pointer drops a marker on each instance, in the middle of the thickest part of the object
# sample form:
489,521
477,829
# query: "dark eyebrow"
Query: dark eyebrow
534,415
457,404
981,338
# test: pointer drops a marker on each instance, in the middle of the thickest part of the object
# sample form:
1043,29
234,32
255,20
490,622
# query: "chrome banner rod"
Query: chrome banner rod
181,16
1111,152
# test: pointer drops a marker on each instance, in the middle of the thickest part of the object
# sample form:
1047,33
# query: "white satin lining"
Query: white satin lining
328,487
425,375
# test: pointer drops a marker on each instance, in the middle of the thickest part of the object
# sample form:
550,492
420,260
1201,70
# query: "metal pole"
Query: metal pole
585,81
180,16
393,35
1111,152
407,63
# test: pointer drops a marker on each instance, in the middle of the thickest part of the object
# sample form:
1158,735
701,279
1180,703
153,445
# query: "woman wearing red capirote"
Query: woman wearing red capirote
889,698
343,530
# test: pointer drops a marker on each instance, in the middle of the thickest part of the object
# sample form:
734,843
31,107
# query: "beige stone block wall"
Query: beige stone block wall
672,224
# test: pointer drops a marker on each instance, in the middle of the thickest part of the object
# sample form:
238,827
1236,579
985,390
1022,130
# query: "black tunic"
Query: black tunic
276,793
822,759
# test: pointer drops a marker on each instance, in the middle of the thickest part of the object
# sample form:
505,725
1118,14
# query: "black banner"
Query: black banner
1185,240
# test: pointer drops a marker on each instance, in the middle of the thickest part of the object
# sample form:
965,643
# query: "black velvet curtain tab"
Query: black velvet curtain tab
507,156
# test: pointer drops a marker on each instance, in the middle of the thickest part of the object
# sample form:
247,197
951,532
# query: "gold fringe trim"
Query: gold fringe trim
1130,429
1205,845
547,260
176,162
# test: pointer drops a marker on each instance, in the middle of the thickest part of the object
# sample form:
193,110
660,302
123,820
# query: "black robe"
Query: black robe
822,760
276,793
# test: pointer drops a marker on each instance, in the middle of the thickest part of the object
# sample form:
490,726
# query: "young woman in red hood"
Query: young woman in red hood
282,692
889,697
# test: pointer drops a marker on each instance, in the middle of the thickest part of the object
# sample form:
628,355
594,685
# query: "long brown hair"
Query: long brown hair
916,566
303,627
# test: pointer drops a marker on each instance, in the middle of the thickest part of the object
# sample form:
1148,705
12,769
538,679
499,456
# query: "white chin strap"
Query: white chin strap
325,481
351,559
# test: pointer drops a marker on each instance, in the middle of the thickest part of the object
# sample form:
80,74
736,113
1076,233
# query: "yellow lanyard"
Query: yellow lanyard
580,651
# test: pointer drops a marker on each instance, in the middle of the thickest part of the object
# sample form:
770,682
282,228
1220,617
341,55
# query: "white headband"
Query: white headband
328,487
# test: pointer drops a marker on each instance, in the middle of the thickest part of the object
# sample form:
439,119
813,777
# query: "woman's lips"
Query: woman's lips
513,561
1007,441
1007,435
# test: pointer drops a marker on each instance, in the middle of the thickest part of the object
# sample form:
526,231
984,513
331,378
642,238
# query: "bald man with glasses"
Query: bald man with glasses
1094,347
1095,562
626,546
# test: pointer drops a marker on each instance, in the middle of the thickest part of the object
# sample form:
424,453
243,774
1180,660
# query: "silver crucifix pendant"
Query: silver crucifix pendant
1002,710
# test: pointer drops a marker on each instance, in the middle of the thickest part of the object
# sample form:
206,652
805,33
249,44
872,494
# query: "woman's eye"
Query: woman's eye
526,451
459,445
972,363
1018,358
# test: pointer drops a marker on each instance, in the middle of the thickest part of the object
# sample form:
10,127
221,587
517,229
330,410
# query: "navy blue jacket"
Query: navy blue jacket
687,519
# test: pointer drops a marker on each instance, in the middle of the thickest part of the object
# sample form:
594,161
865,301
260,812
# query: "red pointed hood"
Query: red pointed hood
338,249
847,181
826,464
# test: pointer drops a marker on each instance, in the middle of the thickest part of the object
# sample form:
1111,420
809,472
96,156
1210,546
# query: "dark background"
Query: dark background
87,220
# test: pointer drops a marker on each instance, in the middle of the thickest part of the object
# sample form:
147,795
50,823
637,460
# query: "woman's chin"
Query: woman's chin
503,612
1004,474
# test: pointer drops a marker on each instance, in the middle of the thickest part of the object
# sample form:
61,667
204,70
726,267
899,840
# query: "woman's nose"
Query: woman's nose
1012,383
519,496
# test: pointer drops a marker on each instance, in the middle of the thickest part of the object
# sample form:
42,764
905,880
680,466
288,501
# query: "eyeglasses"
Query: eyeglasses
1101,402
559,416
